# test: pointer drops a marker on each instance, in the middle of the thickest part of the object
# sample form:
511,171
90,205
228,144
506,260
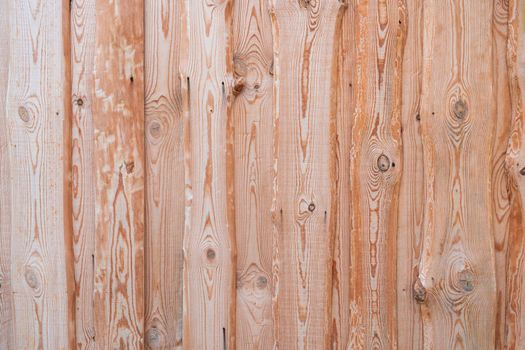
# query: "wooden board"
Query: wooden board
83,178
164,175
305,207
253,124
376,163
457,281
118,116
36,194
209,235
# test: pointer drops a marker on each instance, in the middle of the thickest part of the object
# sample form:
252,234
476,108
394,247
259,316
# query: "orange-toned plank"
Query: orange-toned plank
252,113
305,206
209,235
118,117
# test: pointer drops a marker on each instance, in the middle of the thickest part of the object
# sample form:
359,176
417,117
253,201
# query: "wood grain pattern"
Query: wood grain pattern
457,269
118,117
164,175
376,159
305,184
409,324
209,236
252,113
37,118
83,179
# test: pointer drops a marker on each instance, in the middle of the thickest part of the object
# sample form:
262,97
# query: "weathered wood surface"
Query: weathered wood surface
209,236
83,179
253,124
164,175
118,118
376,163
305,203
457,282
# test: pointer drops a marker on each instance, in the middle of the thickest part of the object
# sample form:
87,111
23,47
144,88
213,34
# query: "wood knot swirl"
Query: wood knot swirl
153,337
420,292
466,280
33,279
155,129
211,255
383,163
460,109
23,113
262,282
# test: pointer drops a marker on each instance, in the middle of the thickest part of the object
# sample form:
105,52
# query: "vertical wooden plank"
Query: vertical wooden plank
252,113
118,117
209,235
83,182
457,280
376,161
37,118
305,204
7,331
164,175
514,336
409,324
345,108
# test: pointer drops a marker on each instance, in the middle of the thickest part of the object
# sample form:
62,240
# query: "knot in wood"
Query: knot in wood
153,337
460,109
311,207
262,282
522,171
130,166
466,279
210,254
32,278
80,102
23,113
154,129
238,86
420,292
383,163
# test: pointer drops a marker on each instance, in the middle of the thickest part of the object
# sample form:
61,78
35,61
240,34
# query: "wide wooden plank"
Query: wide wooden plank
36,114
164,175
305,204
457,282
376,162
83,178
409,324
118,117
209,234
252,113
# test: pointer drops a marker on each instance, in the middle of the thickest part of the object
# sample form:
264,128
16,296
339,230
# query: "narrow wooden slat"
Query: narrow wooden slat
376,162
118,117
514,312
409,324
305,206
252,113
83,182
37,117
345,106
209,235
164,175
7,331
457,282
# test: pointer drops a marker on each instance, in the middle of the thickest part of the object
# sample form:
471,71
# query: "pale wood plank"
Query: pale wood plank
409,324
164,175
83,181
305,179
252,113
209,236
376,162
118,117
37,117
457,269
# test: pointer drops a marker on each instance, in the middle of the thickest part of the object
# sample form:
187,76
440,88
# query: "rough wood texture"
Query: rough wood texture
252,113
410,326
209,235
164,175
305,204
376,159
37,119
118,116
457,283
83,179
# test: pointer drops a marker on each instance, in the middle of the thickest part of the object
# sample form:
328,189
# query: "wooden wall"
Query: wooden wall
262,174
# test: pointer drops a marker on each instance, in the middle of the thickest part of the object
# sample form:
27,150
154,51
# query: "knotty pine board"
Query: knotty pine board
253,124
457,282
209,236
118,117
409,324
36,123
83,178
376,163
305,207
164,175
